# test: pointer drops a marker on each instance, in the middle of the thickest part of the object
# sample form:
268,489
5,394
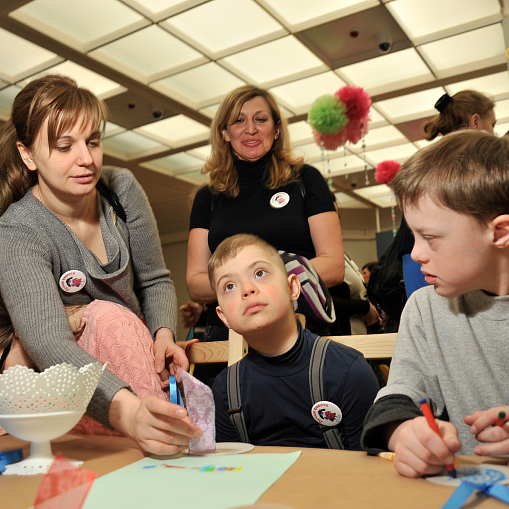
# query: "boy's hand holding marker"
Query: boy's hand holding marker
419,450
490,426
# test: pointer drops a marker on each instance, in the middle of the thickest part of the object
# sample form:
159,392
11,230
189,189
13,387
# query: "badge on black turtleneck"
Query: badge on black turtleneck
279,200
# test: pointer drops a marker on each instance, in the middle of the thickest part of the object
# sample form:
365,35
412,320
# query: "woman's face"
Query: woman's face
72,166
253,133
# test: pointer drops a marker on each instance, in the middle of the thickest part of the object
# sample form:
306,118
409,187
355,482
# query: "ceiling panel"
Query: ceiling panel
275,62
81,25
149,54
243,24
411,106
187,87
433,19
476,49
96,83
298,96
301,14
407,69
27,60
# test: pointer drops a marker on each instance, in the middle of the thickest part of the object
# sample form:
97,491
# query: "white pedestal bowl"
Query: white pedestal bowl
39,407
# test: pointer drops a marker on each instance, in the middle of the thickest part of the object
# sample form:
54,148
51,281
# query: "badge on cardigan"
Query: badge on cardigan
326,413
279,200
72,281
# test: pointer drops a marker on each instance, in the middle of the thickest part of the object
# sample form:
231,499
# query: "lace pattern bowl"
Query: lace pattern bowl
39,407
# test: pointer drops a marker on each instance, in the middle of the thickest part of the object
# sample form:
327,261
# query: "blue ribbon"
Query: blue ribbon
175,396
8,457
467,488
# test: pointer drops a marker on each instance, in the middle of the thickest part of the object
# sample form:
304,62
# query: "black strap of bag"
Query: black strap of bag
112,199
335,437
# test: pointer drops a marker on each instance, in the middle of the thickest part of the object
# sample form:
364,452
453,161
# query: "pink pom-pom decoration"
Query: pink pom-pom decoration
354,128
386,171
356,100
330,141
329,128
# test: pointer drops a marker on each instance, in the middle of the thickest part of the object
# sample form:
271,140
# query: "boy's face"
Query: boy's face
253,292
455,251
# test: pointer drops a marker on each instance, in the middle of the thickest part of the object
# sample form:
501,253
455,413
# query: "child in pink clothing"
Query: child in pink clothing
110,333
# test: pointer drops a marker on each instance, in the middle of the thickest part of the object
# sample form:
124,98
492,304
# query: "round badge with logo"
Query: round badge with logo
326,413
279,200
72,281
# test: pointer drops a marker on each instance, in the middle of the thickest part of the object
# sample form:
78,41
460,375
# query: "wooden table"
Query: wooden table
319,479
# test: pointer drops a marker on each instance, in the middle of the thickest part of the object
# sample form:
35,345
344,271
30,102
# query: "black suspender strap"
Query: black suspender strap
335,437
112,199
235,402
332,435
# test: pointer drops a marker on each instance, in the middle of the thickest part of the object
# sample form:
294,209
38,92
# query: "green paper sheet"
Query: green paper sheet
227,481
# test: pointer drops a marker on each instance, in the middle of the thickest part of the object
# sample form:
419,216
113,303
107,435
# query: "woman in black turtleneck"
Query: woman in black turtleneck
257,186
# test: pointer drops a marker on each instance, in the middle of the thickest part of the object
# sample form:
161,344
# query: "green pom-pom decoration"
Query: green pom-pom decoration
328,115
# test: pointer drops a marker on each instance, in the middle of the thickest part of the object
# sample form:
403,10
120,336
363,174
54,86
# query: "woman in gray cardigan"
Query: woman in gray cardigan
63,242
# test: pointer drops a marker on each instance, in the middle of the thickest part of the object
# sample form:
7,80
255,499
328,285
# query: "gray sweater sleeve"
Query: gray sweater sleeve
152,284
412,377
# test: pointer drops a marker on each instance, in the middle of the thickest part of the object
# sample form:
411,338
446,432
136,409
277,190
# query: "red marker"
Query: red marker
426,410
500,418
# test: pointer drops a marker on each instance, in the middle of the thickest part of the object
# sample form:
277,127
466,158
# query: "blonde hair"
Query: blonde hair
456,115
52,97
466,171
283,167
232,246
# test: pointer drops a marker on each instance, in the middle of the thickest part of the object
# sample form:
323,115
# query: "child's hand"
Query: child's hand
419,450
482,425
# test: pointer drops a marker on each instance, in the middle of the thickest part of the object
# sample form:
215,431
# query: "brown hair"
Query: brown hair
52,97
466,171
456,115
283,168
232,246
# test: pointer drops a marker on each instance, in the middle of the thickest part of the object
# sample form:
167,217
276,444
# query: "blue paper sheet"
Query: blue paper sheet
214,482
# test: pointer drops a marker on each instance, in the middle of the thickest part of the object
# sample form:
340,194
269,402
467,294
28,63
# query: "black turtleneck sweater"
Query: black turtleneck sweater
286,228
276,399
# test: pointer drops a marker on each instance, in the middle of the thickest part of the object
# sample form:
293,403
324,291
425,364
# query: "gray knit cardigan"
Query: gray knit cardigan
36,248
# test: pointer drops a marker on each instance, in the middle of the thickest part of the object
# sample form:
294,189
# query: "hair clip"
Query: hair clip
443,102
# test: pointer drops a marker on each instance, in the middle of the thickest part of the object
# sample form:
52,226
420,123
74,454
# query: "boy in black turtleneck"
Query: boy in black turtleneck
256,297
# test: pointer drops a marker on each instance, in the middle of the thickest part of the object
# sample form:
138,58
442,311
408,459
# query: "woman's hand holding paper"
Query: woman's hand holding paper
157,426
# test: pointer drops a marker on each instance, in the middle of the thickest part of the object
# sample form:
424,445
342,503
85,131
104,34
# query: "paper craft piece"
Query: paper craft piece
226,449
192,482
65,486
477,474
201,411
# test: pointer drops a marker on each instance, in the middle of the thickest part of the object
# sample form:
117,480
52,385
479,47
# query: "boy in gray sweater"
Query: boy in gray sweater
452,346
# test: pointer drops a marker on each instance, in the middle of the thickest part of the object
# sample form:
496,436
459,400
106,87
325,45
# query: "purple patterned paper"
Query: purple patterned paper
201,411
